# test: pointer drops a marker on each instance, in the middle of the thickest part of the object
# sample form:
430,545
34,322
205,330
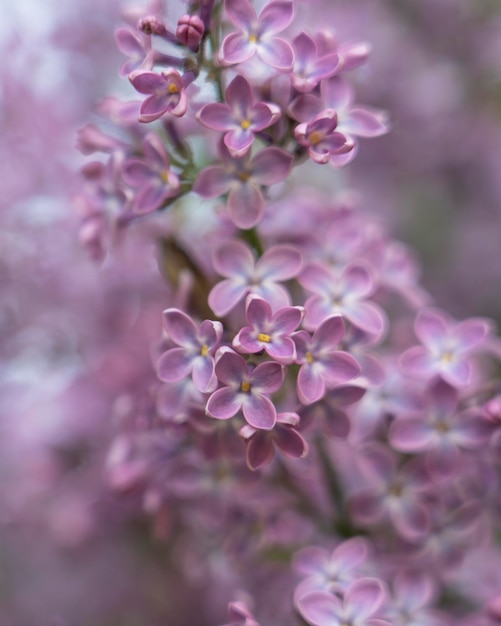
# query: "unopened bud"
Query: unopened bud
190,30
151,25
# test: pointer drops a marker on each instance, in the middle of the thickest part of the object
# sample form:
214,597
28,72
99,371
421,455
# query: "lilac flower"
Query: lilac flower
195,352
137,48
243,178
261,444
309,67
446,347
269,331
320,137
362,600
155,181
337,95
442,431
321,363
190,30
392,493
244,275
166,93
240,117
258,34
246,390
332,572
344,295
413,592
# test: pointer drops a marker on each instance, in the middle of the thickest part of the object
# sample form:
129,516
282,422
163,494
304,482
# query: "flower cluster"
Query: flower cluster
312,406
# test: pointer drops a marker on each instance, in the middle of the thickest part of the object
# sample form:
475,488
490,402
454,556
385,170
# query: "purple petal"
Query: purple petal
444,398
239,97
277,53
328,334
236,48
357,281
203,374
367,316
326,66
470,333
305,49
231,369
413,590
210,333
174,365
340,367
245,205
472,431
151,197
365,595
147,82
129,43
365,123
336,423
258,313
260,450
381,463
238,141
155,106
180,328
311,560
351,553
282,349
367,507
271,165
310,384
267,377
224,296
246,341
224,404
418,362
136,173
241,13
443,461
290,442
286,320
217,116
431,328
274,293
259,411
276,16
456,372
317,278
320,608
264,115
234,258
212,182
280,262
304,108
337,94
411,435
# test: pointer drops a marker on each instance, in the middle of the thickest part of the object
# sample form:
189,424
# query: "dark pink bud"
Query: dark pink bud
151,25
492,411
190,30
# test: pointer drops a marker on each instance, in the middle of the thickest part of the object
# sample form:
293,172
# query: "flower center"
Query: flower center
263,337
165,176
205,350
245,124
442,427
253,38
244,176
173,88
245,386
315,137
309,357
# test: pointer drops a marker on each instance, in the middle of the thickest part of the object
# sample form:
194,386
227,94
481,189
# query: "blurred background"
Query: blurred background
75,337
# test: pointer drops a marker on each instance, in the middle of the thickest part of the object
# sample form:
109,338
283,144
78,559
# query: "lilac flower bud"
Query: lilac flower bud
152,25
190,30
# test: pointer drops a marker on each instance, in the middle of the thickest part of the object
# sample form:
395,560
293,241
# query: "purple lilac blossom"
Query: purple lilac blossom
242,178
245,390
244,275
195,353
258,34
240,117
322,365
269,331
165,91
309,66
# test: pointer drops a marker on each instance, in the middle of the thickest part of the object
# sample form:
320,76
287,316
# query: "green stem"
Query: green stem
252,238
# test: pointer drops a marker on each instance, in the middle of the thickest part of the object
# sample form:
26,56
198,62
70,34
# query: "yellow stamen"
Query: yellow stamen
245,386
245,124
205,350
309,357
173,88
244,176
442,427
165,176
252,38
315,138
264,337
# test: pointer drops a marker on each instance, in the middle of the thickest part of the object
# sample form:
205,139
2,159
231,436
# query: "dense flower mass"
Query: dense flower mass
288,428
